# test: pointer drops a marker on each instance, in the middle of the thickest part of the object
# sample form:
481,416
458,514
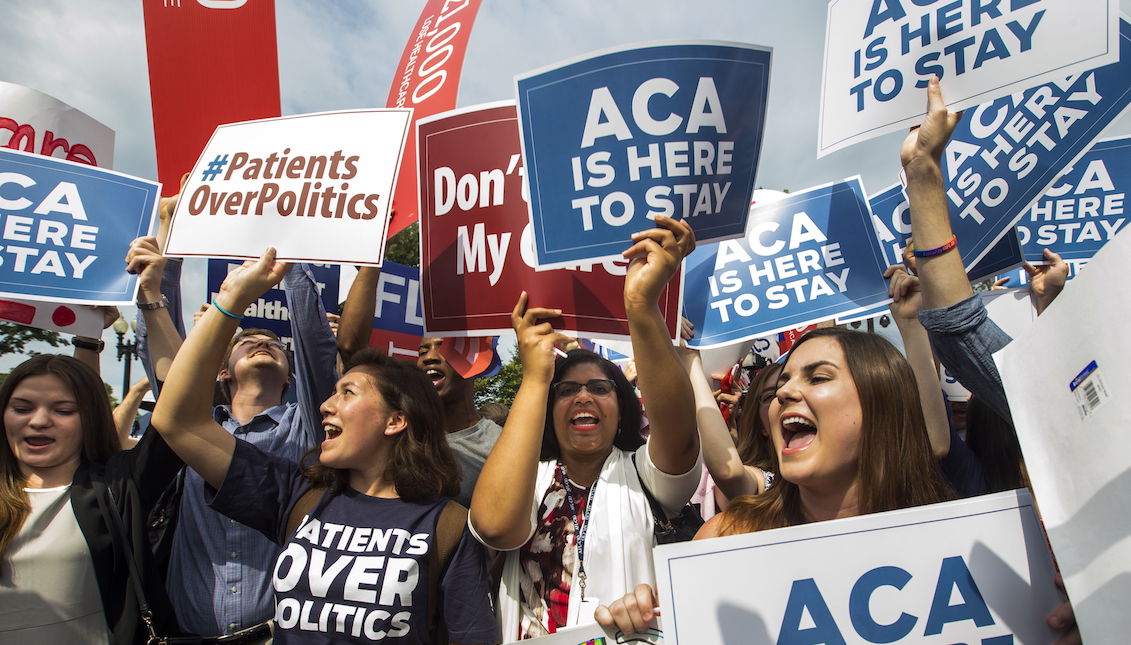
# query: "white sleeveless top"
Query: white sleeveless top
48,592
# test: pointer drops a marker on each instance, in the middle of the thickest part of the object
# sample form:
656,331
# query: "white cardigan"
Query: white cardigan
619,541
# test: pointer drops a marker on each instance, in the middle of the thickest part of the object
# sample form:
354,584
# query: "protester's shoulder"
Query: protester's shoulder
483,429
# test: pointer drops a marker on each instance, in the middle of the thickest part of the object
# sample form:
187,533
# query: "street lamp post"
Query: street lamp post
127,351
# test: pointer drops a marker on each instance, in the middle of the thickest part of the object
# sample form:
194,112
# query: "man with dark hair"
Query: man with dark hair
469,436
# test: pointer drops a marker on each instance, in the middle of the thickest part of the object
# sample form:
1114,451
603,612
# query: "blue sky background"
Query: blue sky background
341,54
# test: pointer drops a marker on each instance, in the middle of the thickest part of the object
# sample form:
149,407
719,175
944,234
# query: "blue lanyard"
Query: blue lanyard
579,531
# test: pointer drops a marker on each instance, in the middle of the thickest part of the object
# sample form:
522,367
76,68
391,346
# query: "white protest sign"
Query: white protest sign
880,54
594,634
972,571
32,121
317,187
1067,381
69,318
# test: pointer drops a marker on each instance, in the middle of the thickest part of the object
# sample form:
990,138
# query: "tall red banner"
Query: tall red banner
210,62
427,80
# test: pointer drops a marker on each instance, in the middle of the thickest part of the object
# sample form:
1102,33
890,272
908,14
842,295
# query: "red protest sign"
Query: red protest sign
476,245
426,80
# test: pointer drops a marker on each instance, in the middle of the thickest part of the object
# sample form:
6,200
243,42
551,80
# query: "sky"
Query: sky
339,54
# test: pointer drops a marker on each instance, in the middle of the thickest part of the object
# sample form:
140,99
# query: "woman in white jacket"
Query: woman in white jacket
560,491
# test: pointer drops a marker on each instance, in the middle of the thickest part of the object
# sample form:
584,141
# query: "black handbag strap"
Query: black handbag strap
118,536
662,523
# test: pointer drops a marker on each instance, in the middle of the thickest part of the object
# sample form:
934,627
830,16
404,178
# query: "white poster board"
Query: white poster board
594,634
880,54
69,318
966,571
317,187
35,122
1069,388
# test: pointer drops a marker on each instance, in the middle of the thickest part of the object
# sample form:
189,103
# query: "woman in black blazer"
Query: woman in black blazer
62,470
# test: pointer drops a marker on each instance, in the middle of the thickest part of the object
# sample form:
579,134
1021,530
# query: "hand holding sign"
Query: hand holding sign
251,280
905,292
1047,281
144,259
631,614
655,256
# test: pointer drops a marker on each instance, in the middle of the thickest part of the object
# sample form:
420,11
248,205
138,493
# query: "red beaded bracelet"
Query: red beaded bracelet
929,253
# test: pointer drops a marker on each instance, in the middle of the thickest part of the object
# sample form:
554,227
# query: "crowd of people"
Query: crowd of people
334,494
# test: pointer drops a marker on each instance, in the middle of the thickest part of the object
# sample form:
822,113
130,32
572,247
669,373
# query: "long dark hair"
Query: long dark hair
896,467
420,463
754,447
994,440
99,435
628,435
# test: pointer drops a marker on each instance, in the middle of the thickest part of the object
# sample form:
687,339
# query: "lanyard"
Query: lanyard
579,532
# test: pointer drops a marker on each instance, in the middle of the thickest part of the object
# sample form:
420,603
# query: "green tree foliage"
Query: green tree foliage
404,247
15,338
502,387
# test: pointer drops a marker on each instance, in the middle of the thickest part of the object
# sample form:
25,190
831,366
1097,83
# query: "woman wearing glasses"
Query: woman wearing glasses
563,490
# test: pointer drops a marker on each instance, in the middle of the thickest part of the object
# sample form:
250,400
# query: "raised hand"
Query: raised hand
144,259
654,258
251,280
1046,281
927,141
905,291
536,340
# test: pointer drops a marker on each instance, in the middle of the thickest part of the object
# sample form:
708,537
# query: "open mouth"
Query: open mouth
797,432
435,375
583,420
38,441
332,431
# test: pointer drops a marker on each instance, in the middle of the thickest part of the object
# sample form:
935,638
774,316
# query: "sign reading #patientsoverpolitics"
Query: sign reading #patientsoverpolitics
808,257
476,244
1003,155
614,139
65,228
880,54
317,187
1084,208
971,571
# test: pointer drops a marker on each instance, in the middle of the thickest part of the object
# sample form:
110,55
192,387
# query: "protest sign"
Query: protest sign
970,571
1066,378
426,79
45,125
594,634
270,311
66,228
210,62
806,258
1084,208
879,55
476,242
614,139
71,319
1003,155
398,324
317,187
891,216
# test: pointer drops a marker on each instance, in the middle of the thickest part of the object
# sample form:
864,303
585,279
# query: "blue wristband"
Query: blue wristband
225,311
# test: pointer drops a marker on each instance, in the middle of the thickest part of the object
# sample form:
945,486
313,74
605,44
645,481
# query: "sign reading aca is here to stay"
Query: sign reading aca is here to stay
615,139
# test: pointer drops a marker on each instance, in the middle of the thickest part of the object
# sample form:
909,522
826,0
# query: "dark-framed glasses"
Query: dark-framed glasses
596,387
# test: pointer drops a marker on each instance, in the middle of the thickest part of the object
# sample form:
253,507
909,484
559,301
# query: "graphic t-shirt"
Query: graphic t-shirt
356,571
546,561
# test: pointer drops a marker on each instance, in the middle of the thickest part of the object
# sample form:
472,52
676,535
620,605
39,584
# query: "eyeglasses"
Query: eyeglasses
596,387
270,342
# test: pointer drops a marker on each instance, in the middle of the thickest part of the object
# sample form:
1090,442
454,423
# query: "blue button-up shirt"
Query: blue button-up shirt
220,571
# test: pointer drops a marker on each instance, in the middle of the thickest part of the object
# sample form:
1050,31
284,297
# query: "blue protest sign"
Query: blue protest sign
808,257
398,322
1084,208
615,139
1004,154
65,229
891,216
270,311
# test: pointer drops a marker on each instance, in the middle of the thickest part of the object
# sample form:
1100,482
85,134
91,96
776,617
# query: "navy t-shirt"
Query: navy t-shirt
357,569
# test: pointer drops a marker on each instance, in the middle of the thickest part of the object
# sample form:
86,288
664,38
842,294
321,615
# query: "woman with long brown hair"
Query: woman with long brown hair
365,554
63,476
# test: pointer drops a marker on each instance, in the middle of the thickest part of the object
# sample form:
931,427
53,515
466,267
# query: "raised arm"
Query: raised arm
1046,281
183,414
501,504
157,334
315,349
720,454
907,297
126,411
356,323
655,257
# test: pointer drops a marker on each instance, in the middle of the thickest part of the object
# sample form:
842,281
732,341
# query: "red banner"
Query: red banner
427,80
210,62
477,247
